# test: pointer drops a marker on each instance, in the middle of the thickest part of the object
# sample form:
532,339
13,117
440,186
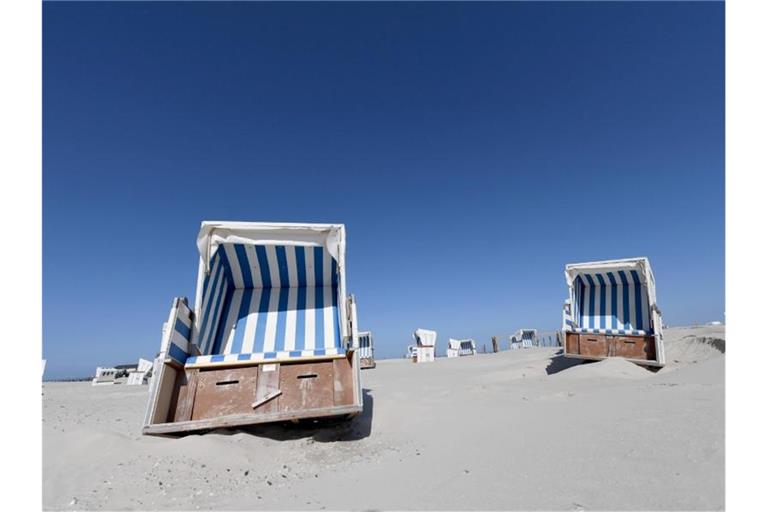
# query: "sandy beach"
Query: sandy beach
523,429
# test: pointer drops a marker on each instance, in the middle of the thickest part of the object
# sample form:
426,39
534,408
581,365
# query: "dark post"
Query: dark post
495,344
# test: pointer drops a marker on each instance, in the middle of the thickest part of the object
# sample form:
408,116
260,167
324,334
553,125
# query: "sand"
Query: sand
524,429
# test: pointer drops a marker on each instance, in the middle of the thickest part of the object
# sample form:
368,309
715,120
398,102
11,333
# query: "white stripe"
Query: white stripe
327,304
234,265
253,261
632,315
209,286
290,257
274,271
178,339
229,327
250,323
608,303
587,305
619,302
270,333
309,317
183,315
290,318
598,303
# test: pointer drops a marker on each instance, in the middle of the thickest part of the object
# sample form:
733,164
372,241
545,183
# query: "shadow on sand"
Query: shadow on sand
321,430
559,363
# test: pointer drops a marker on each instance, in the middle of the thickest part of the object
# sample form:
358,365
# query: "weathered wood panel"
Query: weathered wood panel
225,392
268,383
593,345
306,386
187,383
343,388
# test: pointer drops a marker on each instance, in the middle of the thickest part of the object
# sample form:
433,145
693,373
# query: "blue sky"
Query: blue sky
471,150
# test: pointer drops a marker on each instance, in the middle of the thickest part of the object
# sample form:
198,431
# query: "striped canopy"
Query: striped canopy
263,302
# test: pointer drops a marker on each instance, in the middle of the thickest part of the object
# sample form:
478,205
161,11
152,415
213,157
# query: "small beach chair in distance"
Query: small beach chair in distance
424,350
365,346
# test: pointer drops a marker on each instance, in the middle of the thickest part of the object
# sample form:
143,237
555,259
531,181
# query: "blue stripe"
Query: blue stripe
294,353
261,254
301,317
334,273
590,318
638,301
217,357
261,324
207,309
243,357
177,353
301,265
301,297
602,301
216,318
319,316
245,267
222,327
227,266
614,302
181,328
625,296
318,266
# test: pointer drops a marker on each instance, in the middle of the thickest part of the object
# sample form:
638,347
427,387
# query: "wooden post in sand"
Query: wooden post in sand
495,344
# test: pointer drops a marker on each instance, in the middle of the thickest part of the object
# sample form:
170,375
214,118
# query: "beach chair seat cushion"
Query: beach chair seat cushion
622,332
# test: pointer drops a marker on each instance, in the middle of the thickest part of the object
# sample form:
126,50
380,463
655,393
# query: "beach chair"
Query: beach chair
460,348
611,311
365,344
424,350
523,338
272,335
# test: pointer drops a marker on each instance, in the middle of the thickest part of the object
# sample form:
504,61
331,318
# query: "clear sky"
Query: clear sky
471,150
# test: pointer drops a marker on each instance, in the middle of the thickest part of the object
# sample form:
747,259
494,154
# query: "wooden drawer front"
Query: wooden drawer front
306,386
595,345
634,347
571,343
223,392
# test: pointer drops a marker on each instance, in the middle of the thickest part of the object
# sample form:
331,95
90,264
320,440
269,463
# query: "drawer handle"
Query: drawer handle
307,376
591,339
227,382
630,341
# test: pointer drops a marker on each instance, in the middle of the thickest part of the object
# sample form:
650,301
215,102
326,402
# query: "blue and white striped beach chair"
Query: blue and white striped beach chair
611,311
272,333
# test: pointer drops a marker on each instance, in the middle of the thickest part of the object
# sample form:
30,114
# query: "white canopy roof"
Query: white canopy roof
214,233
425,337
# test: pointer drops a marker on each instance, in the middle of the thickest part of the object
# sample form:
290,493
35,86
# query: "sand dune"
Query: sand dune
525,429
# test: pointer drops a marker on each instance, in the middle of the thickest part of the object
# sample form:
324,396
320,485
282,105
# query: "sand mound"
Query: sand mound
611,368
693,349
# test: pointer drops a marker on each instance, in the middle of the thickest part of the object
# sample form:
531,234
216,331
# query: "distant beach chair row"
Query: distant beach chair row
273,336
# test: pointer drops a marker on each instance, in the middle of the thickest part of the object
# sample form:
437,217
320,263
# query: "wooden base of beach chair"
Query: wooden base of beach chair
220,396
638,349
